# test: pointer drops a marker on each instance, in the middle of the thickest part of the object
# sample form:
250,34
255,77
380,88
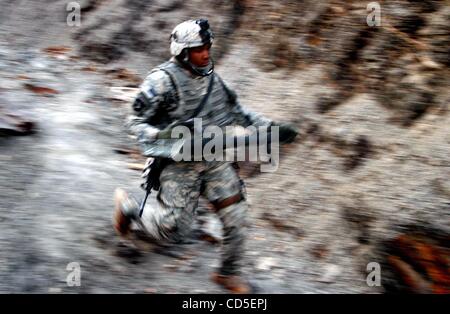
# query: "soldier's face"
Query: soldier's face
199,56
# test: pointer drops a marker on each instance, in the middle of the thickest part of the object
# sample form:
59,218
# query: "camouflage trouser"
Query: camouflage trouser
181,186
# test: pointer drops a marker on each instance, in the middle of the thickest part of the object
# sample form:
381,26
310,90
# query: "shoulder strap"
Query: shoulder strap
163,68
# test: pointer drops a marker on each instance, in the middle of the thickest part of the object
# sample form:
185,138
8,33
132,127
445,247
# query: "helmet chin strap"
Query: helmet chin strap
203,71
199,71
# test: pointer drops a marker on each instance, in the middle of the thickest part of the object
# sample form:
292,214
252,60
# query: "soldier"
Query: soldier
173,92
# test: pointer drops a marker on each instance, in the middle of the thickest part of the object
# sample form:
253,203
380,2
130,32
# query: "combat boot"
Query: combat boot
125,210
233,283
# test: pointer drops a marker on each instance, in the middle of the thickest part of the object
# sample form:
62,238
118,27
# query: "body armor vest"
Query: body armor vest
189,92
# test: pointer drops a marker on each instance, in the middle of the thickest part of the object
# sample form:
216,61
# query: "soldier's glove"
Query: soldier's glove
287,131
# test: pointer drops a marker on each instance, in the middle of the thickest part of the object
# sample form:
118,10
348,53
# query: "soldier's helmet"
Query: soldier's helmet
190,34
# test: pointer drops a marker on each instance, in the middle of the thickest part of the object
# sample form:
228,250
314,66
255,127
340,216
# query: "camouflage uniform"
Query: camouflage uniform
171,93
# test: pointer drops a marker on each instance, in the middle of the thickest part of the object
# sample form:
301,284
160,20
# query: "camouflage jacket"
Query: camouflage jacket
171,94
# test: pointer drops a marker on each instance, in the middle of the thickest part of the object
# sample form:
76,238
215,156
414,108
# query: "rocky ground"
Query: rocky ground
371,163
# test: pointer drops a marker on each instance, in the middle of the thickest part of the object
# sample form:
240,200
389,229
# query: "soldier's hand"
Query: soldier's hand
287,131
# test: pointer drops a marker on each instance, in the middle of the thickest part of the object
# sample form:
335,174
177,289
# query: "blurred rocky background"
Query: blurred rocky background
367,181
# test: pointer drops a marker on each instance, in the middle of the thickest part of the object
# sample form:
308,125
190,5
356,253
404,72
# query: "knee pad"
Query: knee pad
218,205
